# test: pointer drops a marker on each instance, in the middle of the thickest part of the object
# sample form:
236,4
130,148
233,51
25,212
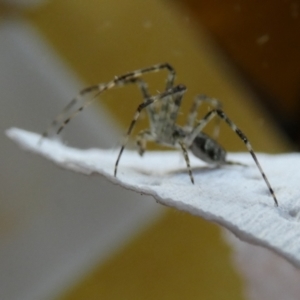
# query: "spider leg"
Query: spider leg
218,112
61,120
68,107
187,160
198,101
103,87
179,89
152,69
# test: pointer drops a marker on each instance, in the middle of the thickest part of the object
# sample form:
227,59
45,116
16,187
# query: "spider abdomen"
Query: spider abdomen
208,150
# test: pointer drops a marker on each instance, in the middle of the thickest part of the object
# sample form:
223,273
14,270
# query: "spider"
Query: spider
162,110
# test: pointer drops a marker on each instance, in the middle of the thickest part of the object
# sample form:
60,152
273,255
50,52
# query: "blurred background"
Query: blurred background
66,236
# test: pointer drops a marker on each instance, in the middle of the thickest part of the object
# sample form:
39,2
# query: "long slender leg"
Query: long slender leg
187,160
68,107
152,69
118,81
101,88
218,112
179,89
198,101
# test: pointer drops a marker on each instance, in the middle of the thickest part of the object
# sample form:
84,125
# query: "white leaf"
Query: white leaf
233,196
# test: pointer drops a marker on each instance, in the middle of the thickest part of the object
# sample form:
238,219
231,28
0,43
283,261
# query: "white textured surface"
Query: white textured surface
236,197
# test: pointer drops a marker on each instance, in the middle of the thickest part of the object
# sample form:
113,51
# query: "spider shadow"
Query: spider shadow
206,168
200,169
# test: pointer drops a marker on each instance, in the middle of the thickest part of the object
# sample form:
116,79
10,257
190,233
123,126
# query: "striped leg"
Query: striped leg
61,120
152,69
179,89
218,112
187,160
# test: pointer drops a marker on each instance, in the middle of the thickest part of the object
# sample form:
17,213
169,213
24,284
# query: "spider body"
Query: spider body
162,110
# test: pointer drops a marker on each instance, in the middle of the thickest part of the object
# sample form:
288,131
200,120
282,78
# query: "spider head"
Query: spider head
208,150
